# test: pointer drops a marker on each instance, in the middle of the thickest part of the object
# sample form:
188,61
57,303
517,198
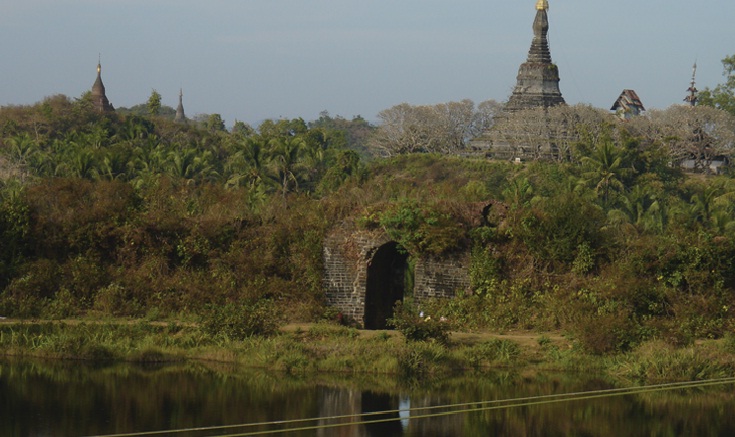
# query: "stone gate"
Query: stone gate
365,271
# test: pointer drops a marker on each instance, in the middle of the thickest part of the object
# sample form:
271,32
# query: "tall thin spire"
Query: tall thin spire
692,97
180,116
99,98
538,78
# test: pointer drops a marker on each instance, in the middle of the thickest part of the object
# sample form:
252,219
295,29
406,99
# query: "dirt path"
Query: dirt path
525,339
529,340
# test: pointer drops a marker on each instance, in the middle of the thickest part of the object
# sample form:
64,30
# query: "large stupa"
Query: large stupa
522,130
538,78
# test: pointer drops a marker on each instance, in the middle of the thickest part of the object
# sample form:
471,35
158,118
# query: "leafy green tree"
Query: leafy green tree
355,132
282,128
14,228
154,103
346,165
243,129
214,123
555,228
723,95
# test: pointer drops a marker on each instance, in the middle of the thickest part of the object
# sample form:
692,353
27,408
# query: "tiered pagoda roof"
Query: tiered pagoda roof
538,78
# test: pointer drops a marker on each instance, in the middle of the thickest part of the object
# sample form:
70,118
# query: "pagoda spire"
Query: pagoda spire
99,98
692,97
180,116
538,78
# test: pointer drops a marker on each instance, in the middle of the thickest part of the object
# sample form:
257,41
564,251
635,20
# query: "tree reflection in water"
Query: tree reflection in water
40,398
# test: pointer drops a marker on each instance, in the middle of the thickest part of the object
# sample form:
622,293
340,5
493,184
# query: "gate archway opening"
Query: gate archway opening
388,278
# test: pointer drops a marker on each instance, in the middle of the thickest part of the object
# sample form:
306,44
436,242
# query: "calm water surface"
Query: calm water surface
75,399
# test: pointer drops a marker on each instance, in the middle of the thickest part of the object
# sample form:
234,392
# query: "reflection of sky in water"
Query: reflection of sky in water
404,404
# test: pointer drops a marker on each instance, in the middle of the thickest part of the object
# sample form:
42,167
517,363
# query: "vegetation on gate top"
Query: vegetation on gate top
132,215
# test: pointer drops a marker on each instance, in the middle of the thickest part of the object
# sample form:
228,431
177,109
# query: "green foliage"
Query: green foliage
584,262
494,352
408,321
154,103
556,228
607,333
422,228
115,300
421,359
242,320
486,267
128,215
723,95
653,362
730,342
14,229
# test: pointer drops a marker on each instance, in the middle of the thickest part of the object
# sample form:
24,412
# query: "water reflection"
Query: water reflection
61,398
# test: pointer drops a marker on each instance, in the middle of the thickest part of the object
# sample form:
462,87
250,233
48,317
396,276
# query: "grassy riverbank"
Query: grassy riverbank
327,348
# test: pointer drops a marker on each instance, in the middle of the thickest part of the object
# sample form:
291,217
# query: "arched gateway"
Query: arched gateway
365,274
385,284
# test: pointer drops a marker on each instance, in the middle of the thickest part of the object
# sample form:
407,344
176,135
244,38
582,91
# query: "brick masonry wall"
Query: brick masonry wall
441,277
347,255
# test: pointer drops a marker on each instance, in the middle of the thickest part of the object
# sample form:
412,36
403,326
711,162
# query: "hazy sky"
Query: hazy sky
256,59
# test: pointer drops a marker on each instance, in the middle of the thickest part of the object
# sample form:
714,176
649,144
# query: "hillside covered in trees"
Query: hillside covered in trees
135,216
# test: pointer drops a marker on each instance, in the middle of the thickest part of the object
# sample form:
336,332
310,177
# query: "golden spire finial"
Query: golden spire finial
542,5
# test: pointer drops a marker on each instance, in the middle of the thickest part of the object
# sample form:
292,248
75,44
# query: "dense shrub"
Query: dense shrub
555,228
237,321
408,320
607,333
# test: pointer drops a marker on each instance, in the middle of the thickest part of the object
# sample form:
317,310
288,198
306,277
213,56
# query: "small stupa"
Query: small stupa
99,98
692,98
180,116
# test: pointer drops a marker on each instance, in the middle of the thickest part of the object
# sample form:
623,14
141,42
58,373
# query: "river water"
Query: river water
41,398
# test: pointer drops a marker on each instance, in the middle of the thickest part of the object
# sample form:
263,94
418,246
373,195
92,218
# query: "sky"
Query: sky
251,60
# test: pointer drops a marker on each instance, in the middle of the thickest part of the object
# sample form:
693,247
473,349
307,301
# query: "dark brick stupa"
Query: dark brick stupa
538,78
180,116
99,99
522,130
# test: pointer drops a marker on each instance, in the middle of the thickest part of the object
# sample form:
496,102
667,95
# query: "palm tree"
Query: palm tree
247,165
604,170
519,192
190,164
285,162
640,209
21,153
709,203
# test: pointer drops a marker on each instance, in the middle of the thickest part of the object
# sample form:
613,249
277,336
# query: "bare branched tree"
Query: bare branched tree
547,133
441,128
695,136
